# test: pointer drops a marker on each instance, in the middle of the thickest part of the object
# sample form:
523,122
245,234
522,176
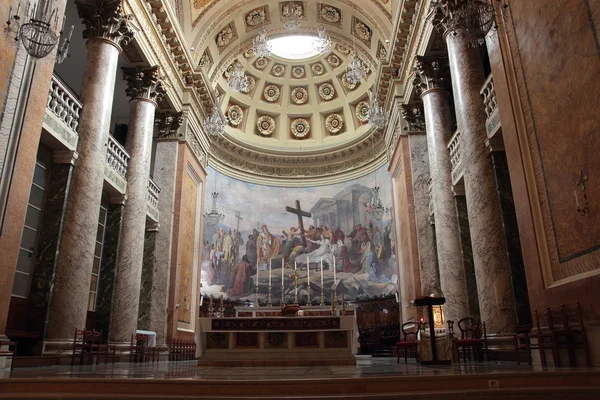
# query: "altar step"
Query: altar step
385,352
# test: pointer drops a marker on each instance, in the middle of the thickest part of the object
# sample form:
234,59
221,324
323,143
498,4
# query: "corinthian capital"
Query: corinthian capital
473,17
144,83
105,19
430,73
168,124
414,117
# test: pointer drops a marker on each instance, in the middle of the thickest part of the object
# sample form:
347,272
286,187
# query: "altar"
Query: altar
277,341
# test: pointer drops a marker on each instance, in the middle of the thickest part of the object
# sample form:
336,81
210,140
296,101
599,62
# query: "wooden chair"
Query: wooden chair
8,352
472,339
522,339
409,342
572,336
86,343
138,351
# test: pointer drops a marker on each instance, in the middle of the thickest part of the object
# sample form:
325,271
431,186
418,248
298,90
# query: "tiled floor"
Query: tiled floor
375,367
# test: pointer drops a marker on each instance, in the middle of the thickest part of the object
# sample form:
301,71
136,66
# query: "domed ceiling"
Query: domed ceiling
300,122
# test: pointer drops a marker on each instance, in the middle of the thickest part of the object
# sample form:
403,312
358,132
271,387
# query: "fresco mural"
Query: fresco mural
262,232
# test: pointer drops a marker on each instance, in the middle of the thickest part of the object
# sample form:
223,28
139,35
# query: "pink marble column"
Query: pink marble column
431,78
106,29
492,270
145,89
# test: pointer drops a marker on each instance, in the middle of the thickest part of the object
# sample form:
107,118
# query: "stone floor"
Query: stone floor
376,378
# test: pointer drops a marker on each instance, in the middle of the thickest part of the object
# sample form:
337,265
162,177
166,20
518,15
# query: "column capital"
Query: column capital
430,73
144,83
414,117
168,124
105,19
471,17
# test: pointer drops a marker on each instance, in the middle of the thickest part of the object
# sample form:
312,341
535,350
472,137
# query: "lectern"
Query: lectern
429,302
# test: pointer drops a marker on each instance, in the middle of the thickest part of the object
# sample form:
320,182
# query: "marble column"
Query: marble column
496,302
144,86
165,176
431,80
50,235
419,165
106,28
147,277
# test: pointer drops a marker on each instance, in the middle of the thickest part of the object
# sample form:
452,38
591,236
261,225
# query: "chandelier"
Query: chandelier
377,209
291,15
214,125
355,71
322,42
238,81
213,217
39,35
377,115
261,44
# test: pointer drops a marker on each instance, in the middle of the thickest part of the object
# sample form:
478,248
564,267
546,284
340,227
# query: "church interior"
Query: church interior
278,199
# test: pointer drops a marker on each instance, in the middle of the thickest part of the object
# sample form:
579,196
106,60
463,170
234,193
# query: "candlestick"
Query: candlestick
321,271
269,298
308,302
221,308
333,301
334,272
308,271
295,288
211,308
343,309
270,259
322,297
256,298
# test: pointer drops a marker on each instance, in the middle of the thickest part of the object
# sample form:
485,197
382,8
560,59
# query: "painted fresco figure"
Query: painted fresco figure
323,252
251,249
242,282
267,245
290,241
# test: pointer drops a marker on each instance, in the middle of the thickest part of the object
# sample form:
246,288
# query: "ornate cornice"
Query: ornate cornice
144,83
414,117
430,73
105,19
168,124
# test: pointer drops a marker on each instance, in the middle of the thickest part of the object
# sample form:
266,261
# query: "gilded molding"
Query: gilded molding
105,19
144,83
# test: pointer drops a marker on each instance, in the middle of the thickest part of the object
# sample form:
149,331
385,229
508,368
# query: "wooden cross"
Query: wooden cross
239,218
298,211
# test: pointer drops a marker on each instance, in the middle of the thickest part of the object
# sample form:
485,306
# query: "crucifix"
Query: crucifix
298,211
239,218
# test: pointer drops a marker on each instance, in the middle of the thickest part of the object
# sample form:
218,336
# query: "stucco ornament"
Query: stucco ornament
265,125
326,91
333,60
343,49
261,63
318,69
251,84
298,72
271,93
255,17
362,111
362,31
334,123
348,85
278,70
300,128
331,14
299,95
235,114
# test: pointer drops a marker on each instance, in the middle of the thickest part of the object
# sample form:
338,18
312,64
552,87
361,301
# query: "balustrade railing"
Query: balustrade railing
116,157
454,147
153,192
63,103
489,96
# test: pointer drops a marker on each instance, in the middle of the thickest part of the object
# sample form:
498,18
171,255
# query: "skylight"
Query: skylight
293,47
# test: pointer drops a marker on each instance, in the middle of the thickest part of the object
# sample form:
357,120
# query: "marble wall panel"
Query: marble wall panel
428,264
51,229
146,284
108,267
186,270
560,90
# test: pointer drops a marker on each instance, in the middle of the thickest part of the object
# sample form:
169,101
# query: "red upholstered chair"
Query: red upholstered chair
472,339
409,342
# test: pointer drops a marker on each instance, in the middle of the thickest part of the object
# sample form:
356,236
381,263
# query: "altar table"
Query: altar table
276,341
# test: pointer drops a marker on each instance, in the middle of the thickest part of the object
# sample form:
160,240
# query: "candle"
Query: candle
257,272
282,271
308,270
321,271
334,272
221,300
270,271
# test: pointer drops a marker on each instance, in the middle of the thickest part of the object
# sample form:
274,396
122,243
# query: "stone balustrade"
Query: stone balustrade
488,93
117,157
454,147
153,192
63,103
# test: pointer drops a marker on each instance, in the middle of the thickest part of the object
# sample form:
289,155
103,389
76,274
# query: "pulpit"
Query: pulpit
262,337
436,351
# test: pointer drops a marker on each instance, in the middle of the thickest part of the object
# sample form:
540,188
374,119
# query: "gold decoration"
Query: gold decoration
256,17
334,123
326,91
299,95
331,15
362,111
333,60
298,72
361,31
278,70
300,128
348,85
317,69
343,49
235,114
249,53
266,125
251,84
225,36
271,93
261,63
